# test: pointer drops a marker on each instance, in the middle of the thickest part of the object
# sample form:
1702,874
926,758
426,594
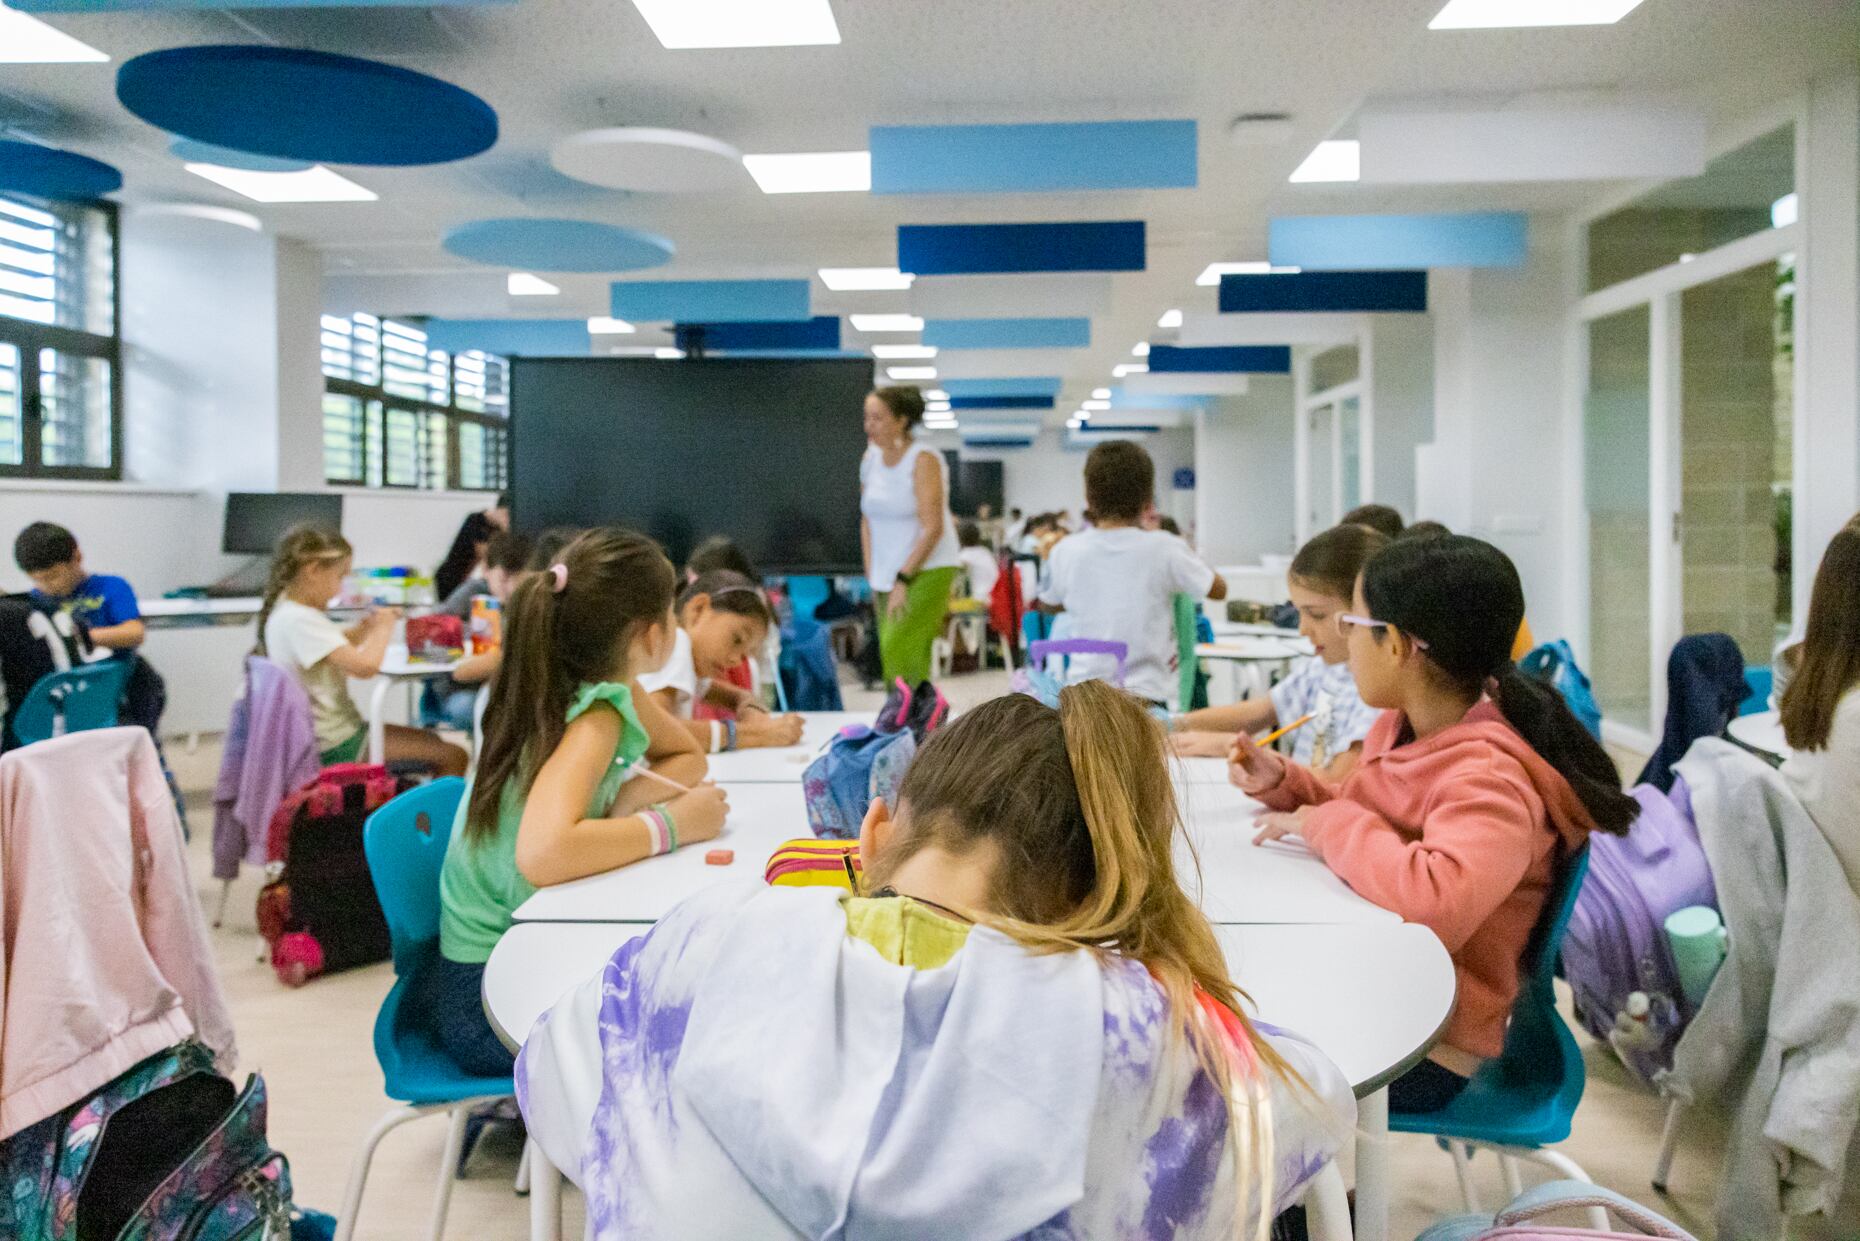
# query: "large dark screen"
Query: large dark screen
765,451
973,484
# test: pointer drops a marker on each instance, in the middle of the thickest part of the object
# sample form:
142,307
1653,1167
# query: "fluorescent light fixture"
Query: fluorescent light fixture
887,323
1100,394
25,40
316,184
911,372
1129,368
936,394
1170,318
1141,349
668,353
1783,211
937,407
522,284
904,351
1497,14
1094,406
812,172
1339,159
683,24
1212,273
1073,424
941,424
603,325
865,279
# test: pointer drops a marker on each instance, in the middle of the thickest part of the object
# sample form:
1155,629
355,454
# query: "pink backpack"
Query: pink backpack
1516,1222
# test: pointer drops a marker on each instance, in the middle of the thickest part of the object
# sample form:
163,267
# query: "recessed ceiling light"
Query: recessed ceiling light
1141,349
668,353
1100,394
940,424
1338,159
936,394
1783,211
739,23
603,325
316,184
812,172
1094,405
1073,424
937,407
1170,318
904,351
1212,273
911,372
865,279
25,40
887,323
1128,368
1492,14
522,284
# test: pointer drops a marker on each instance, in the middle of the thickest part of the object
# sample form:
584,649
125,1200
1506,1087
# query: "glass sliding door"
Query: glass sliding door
1323,488
1349,454
1617,442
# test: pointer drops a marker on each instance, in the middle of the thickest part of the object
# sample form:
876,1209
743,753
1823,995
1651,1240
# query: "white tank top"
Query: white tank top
888,500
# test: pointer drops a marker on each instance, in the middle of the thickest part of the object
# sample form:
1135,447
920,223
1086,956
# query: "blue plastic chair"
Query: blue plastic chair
405,842
72,702
1522,1102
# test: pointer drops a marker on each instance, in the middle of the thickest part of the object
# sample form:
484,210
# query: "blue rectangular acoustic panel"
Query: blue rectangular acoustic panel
1247,359
1362,291
1121,399
978,441
983,249
821,333
712,301
1044,385
1010,159
1398,242
1007,333
524,338
1001,402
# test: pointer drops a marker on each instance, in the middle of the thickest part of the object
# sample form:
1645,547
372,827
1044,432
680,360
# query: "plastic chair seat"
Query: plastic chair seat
1502,1113
415,1069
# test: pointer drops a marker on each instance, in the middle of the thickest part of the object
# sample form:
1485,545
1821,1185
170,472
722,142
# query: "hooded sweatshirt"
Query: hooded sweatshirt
1460,832
790,1062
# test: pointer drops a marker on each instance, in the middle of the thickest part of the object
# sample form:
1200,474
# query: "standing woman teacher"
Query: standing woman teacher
911,556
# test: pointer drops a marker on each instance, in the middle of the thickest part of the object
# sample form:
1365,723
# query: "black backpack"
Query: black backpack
34,643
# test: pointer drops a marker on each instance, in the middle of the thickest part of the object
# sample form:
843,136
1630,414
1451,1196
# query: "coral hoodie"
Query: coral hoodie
1459,832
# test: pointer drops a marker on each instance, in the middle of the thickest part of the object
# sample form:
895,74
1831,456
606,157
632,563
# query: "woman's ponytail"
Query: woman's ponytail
1547,724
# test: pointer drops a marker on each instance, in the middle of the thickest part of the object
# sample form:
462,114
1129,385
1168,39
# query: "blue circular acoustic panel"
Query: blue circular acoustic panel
46,172
557,245
225,157
293,104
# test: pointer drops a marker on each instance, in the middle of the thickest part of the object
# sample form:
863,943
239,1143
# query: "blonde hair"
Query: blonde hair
301,546
1079,805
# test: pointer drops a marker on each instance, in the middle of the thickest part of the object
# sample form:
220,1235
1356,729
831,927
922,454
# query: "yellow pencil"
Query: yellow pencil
1294,726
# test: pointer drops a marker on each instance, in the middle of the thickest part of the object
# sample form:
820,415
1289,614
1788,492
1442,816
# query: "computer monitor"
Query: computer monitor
255,520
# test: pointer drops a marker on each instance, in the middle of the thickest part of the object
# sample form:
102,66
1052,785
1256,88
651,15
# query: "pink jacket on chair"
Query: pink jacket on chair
104,957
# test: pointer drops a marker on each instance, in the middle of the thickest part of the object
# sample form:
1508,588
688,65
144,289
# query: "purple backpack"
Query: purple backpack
1616,941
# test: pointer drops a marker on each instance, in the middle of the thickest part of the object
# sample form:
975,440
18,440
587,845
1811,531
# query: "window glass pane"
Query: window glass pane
1741,192
57,265
433,452
342,438
376,455
404,362
1324,511
74,410
401,450
1349,453
11,444
1617,447
472,456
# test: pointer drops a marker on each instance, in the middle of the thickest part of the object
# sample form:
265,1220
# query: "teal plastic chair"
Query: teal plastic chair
405,842
74,701
1522,1102
1760,682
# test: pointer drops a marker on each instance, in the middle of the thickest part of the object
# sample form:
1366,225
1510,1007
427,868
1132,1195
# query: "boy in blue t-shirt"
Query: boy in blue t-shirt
105,605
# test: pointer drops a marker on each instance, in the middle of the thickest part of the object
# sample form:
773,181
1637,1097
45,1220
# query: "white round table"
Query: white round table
397,668
1762,732
1241,666
784,764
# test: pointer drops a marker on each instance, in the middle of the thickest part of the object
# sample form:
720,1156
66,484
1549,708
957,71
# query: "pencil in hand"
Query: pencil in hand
1294,726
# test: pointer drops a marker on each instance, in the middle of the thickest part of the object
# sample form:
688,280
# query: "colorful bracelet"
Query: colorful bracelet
716,736
729,728
659,829
671,826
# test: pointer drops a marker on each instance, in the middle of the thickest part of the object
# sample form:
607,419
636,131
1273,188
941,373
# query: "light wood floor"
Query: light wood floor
314,1046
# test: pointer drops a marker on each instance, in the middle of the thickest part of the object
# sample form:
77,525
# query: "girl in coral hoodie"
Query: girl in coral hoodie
1474,787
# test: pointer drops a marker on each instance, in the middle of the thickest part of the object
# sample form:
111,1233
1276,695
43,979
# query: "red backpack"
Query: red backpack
319,911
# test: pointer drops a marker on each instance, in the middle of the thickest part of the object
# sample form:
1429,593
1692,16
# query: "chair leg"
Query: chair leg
1327,1206
448,1167
219,911
358,1171
1669,1144
1562,1164
1462,1170
522,1186
545,1197
1514,1177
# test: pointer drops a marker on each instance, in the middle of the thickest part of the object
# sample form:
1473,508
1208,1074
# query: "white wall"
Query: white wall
1243,473
1401,385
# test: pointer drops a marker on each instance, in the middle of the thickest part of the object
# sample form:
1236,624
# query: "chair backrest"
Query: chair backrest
1186,612
479,702
73,701
405,842
1037,653
1539,1049
1762,683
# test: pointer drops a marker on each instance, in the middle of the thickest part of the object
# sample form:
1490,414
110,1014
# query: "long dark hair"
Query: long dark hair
1331,561
474,532
1830,649
563,626
1462,597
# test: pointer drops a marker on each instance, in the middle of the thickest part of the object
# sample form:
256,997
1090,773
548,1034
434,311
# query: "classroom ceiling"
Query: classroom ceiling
555,67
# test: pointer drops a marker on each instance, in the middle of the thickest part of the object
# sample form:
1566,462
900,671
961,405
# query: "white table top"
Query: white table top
1317,980
761,818
1761,731
1224,628
784,765
1198,770
396,663
1243,647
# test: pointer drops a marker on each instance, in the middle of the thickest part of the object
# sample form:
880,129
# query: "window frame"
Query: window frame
31,338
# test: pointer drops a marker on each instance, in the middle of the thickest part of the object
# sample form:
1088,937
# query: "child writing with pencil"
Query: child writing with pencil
556,795
722,618
1317,704
1475,787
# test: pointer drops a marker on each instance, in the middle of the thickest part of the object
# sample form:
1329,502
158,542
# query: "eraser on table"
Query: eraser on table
719,857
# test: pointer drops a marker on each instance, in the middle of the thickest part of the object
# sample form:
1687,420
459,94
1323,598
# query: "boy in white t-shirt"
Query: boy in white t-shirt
1117,580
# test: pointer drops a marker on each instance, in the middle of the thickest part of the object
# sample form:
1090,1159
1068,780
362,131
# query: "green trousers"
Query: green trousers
904,640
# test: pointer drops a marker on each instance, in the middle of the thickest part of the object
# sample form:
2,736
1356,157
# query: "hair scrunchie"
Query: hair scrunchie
560,573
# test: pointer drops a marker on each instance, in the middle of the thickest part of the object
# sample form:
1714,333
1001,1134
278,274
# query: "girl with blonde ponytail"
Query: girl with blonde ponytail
1024,1028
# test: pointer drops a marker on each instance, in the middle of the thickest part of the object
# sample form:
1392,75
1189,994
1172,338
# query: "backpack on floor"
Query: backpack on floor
168,1151
34,643
859,765
1554,664
319,911
923,710
1517,1221
1616,941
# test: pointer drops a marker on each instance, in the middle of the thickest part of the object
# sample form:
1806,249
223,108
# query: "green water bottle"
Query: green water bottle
1697,937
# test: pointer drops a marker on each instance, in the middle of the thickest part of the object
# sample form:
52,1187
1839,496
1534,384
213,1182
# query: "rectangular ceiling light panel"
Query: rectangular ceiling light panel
1399,242
887,323
1531,144
1501,14
1011,159
1334,160
812,172
683,24
984,249
316,184
1211,274
865,279
28,41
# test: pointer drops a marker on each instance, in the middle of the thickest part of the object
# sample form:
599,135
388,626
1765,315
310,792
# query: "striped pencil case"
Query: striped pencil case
811,863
